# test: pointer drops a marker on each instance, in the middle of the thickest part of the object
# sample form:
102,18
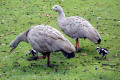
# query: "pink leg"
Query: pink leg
35,58
41,57
48,59
77,43
77,46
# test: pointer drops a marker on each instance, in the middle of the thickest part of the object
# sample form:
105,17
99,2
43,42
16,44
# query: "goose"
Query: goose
76,27
45,39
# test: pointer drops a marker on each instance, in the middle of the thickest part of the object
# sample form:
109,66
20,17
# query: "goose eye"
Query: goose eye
55,7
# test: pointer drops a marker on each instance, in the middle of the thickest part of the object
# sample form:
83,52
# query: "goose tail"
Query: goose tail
99,41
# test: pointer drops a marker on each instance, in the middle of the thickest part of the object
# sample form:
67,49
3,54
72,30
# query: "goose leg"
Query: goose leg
77,46
48,59
35,58
41,57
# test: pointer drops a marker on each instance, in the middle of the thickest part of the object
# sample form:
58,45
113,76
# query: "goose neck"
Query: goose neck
61,15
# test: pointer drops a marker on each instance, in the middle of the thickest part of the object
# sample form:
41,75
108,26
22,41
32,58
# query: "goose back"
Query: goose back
44,38
77,27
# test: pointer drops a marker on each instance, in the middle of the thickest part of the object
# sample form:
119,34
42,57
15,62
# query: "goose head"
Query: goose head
13,45
57,8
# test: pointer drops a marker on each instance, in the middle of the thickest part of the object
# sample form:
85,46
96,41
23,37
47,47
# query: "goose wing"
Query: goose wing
46,39
77,27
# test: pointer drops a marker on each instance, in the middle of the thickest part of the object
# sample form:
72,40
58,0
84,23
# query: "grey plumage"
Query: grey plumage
44,39
76,27
18,39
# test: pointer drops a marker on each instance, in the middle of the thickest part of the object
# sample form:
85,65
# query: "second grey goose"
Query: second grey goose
76,27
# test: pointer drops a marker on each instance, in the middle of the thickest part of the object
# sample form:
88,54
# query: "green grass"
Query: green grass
19,15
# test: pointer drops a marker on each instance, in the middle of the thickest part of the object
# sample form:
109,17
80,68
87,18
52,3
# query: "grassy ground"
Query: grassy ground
17,16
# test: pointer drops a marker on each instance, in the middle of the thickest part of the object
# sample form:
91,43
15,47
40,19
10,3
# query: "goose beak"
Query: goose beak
52,8
11,49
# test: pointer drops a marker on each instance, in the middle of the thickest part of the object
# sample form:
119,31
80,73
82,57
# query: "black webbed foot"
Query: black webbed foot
33,58
78,50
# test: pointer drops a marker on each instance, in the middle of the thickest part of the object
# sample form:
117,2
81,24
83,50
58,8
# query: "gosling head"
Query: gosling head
98,48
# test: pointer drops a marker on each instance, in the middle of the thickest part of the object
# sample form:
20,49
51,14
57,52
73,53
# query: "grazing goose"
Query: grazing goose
45,39
76,27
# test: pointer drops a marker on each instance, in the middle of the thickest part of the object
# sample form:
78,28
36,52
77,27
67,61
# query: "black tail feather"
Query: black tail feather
99,41
68,55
